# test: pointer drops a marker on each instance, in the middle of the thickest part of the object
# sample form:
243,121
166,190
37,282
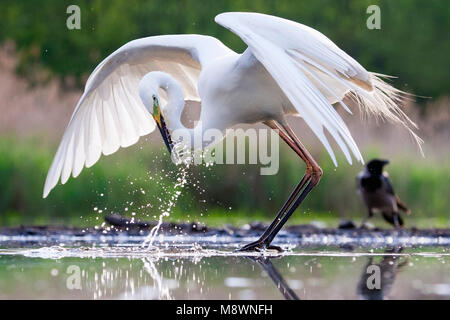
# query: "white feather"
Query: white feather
314,73
110,115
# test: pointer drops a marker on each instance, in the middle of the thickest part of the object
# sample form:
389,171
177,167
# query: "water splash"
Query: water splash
182,154
179,153
196,252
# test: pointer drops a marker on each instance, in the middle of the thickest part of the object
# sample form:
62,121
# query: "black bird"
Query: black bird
378,194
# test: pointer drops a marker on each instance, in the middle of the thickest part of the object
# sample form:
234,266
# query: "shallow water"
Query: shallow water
206,268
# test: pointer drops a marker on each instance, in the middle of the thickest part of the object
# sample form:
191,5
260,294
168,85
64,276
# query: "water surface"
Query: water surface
199,268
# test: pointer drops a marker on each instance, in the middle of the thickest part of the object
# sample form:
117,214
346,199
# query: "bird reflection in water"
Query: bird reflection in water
388,268
267,266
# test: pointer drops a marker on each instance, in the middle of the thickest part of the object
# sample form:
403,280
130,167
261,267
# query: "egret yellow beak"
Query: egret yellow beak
159,119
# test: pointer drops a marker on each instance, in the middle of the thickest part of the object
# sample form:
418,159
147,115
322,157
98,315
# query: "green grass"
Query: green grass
141,179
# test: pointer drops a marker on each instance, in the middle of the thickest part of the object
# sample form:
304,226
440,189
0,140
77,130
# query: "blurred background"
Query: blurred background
43,67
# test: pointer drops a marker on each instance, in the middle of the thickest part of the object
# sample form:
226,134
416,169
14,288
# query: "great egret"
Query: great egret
288,68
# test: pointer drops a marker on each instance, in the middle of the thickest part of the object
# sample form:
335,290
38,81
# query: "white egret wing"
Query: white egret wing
110,114
314,73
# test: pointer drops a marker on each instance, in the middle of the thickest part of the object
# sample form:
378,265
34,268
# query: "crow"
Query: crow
378,194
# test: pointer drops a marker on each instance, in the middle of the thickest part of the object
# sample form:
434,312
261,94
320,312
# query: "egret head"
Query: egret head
148,91
375,166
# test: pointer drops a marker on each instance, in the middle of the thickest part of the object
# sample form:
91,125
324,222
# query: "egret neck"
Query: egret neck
168,117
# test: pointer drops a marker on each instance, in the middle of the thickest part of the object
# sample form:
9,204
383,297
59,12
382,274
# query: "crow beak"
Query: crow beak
385,162
164,132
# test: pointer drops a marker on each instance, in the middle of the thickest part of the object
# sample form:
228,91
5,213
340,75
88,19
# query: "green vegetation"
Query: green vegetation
141,179
412,43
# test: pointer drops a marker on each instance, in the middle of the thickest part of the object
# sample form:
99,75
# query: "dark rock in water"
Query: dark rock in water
347,247
258,226
132,225
303,229
198,227
347,224
123,222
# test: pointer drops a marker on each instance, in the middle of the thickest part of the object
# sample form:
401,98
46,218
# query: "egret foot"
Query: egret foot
259,246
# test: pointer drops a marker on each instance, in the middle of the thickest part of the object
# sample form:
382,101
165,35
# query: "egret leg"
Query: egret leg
311,178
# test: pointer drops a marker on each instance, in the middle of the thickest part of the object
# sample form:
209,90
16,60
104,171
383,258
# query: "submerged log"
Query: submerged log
121,222
124,222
